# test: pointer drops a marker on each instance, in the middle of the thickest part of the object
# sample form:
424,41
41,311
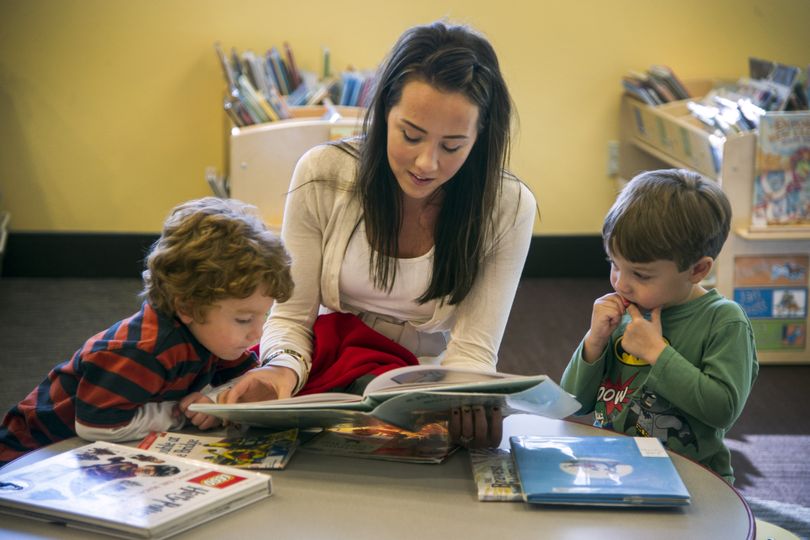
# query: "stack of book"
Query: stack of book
257,84
262,88
656,86
739,106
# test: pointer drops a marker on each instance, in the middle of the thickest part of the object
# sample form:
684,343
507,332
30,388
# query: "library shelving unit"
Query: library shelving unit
663,136
262,156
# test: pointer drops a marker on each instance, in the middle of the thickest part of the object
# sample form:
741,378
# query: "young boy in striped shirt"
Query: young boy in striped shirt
210,279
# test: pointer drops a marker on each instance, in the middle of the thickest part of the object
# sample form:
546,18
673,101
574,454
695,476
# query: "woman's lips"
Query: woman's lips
420,179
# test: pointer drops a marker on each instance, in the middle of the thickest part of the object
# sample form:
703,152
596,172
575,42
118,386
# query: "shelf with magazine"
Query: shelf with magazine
276,112
670,135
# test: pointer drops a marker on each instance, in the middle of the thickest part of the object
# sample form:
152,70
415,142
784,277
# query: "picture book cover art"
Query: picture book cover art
780,334
495,475
127,492
771,270
379,440
782,180
407,397
772,302
256,449
597,471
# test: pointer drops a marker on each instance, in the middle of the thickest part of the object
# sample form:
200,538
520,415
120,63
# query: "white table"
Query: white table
331,497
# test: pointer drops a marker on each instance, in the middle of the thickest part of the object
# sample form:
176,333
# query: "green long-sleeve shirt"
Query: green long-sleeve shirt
693,393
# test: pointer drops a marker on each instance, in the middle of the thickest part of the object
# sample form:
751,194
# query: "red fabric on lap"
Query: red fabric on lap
346,349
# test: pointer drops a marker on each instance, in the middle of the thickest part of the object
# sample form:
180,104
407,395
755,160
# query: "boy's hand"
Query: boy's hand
261,384
201,420
642,338
605,318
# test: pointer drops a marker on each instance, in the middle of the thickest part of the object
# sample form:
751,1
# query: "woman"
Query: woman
416,227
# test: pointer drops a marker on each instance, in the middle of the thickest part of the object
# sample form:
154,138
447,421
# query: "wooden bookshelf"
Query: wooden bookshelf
664,136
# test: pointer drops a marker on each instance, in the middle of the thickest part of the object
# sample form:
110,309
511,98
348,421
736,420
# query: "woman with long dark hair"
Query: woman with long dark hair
416,226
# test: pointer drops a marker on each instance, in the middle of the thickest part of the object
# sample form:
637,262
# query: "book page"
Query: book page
412,378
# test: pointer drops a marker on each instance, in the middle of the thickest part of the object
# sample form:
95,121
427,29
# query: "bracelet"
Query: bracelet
275,354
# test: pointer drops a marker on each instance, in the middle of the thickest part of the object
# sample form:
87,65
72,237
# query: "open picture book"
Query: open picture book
408,397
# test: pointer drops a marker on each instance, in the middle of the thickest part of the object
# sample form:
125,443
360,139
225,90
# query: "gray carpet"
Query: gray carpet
43,321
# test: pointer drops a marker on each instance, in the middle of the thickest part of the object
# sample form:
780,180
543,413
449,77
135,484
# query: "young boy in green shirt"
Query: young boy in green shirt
664,357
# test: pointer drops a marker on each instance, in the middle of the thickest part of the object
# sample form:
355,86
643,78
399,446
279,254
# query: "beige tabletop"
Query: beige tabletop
320,496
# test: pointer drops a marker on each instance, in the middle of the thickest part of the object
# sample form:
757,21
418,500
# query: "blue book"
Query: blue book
597,471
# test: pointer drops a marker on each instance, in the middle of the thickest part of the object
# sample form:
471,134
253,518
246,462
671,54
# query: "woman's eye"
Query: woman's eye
243,321
451,149
409,138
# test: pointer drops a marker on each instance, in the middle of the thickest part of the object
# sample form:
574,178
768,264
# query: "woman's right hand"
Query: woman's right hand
261,384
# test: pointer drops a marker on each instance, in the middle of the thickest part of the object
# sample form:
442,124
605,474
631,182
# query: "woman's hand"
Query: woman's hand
261,384
201,420
475,427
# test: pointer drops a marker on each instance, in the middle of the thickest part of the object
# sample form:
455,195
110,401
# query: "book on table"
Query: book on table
127,492
494,474
597,471
407,397
382,441
256,449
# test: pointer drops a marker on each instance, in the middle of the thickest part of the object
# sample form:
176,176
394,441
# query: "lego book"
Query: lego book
127,492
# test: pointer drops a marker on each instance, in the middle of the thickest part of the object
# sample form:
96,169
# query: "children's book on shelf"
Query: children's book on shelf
781,196
597,471
263,88
256,449
787,92
379,440
656,86
494,474
772,289
408,397
127,492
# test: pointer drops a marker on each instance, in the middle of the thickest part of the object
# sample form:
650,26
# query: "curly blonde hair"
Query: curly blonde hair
213,249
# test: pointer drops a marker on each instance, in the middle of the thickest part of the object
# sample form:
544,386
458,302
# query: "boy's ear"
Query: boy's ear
701,269
182,312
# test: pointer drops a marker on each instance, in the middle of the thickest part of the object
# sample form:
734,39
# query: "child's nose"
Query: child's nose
619,283
255,332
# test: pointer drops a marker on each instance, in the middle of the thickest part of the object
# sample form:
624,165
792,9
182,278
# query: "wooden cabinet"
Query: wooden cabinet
263,156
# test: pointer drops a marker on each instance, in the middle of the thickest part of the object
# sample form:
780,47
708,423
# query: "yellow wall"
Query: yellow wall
110,110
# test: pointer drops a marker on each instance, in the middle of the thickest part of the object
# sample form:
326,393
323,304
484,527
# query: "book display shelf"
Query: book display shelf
665,136
262,156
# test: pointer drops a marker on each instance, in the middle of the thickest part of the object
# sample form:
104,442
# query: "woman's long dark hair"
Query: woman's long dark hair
451,59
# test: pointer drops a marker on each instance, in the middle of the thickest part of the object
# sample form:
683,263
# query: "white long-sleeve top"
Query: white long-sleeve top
320,215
